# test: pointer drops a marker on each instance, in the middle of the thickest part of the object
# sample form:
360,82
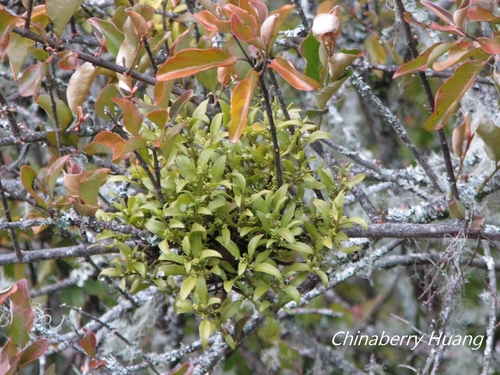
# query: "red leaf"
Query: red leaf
29,84
490,45
89,342
22,315
34,351
449,94
240,103
193,60
422,61
292,76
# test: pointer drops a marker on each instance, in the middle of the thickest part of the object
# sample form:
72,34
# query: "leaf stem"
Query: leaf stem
272,126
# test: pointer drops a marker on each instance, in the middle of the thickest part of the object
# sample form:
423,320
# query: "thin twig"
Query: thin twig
272,126
365,90
412,45
14,128
18,256
53,107
156,183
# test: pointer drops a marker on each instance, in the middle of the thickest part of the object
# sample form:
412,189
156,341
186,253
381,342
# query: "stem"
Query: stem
276,147
53,107
490,176
12,231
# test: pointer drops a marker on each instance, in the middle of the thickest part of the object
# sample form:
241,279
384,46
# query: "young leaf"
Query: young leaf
190,61
449,94
292,76
28,176
309,50
240,103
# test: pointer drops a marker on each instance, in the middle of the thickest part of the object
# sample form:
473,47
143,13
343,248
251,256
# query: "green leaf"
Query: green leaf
358,220
309,50
17,50
64,116
252,245
490,134
240,103
60,12
210,254
269,269
205,330
300,247
54,172
187,286
338,63
286,234
111,272
28,176
230,310
89,186
292,292
261,289
113,37
7,23
156,227
322,276
451,92
190,61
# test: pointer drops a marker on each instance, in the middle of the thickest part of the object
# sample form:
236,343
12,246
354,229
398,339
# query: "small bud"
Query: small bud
326,28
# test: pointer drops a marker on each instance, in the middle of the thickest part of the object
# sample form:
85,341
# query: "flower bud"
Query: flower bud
326,28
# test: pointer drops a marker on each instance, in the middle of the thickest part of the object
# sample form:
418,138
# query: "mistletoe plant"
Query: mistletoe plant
227,226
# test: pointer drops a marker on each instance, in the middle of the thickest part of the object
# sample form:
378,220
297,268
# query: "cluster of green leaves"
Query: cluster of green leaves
227,225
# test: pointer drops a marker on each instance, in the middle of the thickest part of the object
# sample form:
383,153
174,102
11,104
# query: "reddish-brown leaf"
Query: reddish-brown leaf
422,61
292,76
34,351
31,80
490,45
132,118
240,103
449,94
23,316
193,60
89,342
